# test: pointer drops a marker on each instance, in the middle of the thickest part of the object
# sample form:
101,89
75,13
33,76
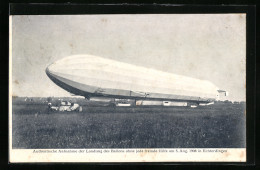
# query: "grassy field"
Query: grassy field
215,126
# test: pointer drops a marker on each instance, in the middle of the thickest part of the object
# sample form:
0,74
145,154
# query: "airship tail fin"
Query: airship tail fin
223,92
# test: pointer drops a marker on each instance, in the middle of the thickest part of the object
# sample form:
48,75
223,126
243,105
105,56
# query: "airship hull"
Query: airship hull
92,76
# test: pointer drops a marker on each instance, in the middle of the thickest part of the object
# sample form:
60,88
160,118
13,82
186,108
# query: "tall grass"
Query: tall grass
129,127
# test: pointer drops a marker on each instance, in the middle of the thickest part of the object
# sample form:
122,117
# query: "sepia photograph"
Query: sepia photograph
127,88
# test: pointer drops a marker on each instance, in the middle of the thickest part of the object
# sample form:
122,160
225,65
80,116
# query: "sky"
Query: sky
204,46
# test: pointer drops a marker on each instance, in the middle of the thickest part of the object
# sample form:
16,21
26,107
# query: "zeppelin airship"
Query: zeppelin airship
93,76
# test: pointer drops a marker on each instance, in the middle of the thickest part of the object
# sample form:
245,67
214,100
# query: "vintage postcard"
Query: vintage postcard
127,88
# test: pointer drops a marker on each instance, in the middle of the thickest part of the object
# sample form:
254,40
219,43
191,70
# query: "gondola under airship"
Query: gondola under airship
92,76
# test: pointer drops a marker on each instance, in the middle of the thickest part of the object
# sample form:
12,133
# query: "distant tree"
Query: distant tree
14,96
227,101
49,99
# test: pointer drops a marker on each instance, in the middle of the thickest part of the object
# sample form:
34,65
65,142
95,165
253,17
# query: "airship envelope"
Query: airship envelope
93,76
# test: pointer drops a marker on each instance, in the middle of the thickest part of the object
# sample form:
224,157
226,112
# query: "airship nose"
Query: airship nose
51,74
48,70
